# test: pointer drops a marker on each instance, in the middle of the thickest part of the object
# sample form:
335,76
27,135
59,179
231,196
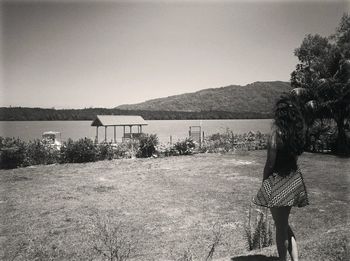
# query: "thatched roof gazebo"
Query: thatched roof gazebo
119,121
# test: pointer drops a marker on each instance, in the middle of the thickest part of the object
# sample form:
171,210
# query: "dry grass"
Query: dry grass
175,201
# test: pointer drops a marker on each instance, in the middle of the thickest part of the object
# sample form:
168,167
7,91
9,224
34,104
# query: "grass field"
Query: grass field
170,206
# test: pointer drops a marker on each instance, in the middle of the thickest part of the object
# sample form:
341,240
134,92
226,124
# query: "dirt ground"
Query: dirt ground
170,206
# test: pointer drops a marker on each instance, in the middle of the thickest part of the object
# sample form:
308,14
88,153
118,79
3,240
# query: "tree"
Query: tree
323,72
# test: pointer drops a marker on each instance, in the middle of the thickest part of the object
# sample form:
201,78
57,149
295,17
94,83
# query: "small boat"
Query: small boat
52,138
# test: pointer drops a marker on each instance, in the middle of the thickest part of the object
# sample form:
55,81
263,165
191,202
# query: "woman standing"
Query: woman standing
283,186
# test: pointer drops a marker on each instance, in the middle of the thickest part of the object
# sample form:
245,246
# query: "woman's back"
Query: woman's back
285,161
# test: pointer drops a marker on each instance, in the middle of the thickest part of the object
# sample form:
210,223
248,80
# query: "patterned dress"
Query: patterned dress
285,187
282,191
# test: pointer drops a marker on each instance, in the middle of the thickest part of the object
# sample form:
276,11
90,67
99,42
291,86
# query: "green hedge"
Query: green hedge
185,147
147,145
12,153
82,150
228,141
17,153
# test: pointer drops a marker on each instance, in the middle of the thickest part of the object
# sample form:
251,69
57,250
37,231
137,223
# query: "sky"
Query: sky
78,54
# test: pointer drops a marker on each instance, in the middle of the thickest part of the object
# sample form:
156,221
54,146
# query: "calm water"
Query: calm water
178,129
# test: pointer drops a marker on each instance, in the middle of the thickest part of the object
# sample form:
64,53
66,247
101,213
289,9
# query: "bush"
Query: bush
114,240
12,153
166,150
220,142
228,141
39,152
126,149
185,147
83,150
105,151
16,153
147,145
261,235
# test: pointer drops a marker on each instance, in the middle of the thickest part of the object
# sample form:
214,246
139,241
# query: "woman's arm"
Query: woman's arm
271,155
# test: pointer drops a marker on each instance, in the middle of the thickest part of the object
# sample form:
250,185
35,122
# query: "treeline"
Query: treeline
40,114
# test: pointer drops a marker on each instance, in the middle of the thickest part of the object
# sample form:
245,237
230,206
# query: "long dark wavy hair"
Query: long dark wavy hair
290,123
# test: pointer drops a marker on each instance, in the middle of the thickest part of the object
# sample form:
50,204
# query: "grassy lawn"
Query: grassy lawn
171,205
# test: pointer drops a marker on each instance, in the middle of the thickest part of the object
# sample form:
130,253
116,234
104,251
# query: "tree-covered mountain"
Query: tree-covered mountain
258,97
253,101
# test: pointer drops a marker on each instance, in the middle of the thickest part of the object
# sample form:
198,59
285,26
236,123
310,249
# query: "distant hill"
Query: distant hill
257,97
253,101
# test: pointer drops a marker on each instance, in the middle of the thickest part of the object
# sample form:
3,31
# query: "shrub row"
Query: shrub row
321,138
17,153
228,141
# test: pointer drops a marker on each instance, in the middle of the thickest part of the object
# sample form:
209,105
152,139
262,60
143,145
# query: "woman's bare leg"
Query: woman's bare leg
292,245
285,238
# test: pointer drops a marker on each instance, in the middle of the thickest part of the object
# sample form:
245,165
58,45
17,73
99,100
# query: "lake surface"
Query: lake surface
178,129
